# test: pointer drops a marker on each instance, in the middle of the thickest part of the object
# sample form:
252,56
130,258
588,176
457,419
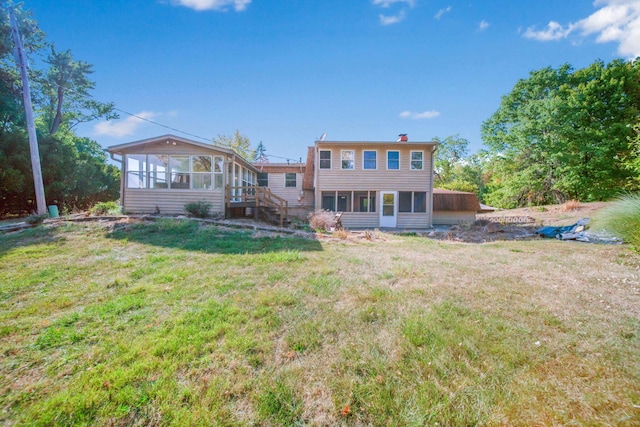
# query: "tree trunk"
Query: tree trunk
58,118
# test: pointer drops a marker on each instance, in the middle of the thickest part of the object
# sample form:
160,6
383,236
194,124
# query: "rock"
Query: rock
492,227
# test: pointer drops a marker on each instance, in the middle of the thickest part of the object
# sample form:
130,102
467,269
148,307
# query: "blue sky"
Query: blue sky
284,72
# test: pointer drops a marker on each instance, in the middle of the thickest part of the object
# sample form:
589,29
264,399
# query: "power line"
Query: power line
288,159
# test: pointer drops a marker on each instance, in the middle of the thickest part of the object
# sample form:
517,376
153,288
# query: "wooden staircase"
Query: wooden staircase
265,204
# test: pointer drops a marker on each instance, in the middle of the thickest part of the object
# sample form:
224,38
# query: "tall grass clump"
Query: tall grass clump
622,219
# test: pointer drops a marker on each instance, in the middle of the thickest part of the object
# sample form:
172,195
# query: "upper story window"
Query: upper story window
417,160
348,159
369,159
393,160
290,180
263,179
325,159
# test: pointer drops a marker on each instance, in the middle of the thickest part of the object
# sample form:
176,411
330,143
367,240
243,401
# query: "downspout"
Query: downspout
433,151
316,173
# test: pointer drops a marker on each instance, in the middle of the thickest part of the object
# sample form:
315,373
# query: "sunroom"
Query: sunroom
162,174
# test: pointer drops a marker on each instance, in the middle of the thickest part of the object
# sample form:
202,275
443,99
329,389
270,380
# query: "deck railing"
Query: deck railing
257,197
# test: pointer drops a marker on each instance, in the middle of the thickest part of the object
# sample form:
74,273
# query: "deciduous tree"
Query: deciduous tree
563,134
237,142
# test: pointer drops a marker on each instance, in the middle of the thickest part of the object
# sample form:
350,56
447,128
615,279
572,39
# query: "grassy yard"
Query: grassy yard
176,323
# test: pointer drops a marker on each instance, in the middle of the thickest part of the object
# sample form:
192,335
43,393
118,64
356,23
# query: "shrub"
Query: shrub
322,220
200,209
105,208
621,218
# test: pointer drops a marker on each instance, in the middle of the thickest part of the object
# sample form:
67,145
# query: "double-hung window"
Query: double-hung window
290,180
348,159
393,160
263,179
369,159
325,159
417,160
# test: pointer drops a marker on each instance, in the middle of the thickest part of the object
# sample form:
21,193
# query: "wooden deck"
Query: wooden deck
261,199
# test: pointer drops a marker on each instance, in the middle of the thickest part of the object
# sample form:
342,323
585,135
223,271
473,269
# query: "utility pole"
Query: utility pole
21,59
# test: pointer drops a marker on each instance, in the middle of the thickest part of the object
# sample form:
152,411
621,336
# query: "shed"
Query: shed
453,207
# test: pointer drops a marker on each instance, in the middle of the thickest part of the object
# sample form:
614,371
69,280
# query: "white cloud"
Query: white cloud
420,116
483,25
554,31
389,3
615,21
120,128
441,12
199,5
394,19
390,20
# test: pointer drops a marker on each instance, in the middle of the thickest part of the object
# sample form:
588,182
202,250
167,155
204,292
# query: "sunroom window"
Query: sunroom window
174,172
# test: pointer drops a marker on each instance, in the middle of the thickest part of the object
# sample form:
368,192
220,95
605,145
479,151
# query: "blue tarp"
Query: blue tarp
577,231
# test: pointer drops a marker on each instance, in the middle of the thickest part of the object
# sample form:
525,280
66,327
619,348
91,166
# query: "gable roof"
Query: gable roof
120,148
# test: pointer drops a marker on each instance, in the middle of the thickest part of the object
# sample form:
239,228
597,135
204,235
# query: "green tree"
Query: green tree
455,169
238,143
563,134
66,92
260,154
74,170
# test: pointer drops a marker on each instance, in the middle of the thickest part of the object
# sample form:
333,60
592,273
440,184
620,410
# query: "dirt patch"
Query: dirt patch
564,214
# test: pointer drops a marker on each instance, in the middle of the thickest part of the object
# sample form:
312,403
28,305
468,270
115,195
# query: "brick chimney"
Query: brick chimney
403,137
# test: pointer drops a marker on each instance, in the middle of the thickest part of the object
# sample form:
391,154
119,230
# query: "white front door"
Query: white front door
388,209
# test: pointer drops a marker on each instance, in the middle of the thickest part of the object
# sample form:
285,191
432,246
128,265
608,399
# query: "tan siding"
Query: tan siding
164,148
413,220
360,220
451,217
169,201
290,194
379,179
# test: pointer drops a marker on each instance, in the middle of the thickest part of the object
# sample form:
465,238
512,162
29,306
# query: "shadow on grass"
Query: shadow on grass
192,236
30,236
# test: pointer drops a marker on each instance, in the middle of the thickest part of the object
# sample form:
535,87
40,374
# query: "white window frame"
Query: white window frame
393,151
353,160
375,160
421,168
285,180
320,159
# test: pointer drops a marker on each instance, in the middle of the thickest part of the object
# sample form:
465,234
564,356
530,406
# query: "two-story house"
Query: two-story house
375,184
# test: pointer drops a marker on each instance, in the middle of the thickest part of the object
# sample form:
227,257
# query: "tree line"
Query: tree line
560,134
74,169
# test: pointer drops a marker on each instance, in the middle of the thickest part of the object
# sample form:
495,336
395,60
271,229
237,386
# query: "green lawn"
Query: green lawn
180,323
